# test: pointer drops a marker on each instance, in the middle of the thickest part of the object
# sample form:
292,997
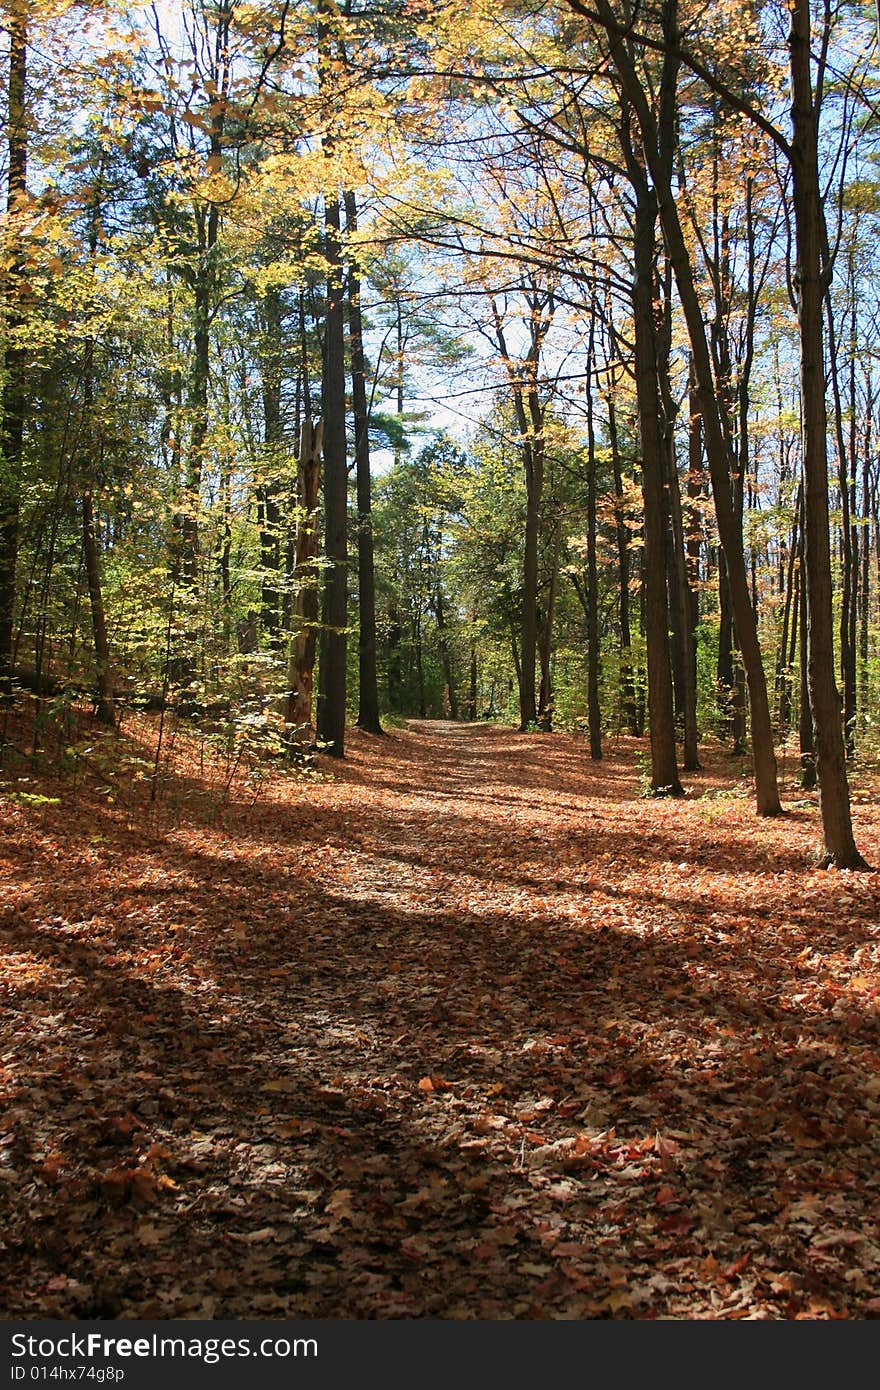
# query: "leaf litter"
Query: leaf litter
461,1028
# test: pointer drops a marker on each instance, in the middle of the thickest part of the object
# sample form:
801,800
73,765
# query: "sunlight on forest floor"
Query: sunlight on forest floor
461,1027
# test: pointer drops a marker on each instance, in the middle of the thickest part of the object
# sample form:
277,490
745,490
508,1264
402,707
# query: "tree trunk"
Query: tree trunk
810,280
267,492
224,557
420,663
661,714
105,709
594,713
90,466
628,705
789,622
198,405
523,379
368,686
14,395
694,530
528,713
805,720
472,690
306,577
679,595
517,663
864,613
334,619
204,283
395,663
443,646
848,542
545,641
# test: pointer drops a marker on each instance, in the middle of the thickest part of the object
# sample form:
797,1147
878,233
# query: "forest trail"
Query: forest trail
463,1027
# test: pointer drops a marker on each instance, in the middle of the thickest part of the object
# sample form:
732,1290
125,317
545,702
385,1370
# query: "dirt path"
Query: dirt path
470,1030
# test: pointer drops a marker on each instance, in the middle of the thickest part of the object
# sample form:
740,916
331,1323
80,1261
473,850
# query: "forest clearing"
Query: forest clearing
464,1026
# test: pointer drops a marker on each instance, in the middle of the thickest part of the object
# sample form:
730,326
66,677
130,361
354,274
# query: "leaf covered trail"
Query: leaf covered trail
466,1030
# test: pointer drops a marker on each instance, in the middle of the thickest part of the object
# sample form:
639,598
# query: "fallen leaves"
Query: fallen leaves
469,1031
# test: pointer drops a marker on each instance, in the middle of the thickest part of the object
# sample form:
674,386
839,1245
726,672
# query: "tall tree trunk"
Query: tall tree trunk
789,617
594,712
848,543
661,714
850,685
517,663
628,704
306,578
90,469
680,608
14,395
223,545
805,720
104,706
528,713
420,661
724,672
545,640
523,379
810,280
694,530
171,429
203,295
472,688
368,686
681,601
203,279
864,612
332,681
395,663
443,646
224,556
267,492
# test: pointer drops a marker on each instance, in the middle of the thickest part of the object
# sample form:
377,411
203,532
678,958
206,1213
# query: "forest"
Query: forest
440,658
